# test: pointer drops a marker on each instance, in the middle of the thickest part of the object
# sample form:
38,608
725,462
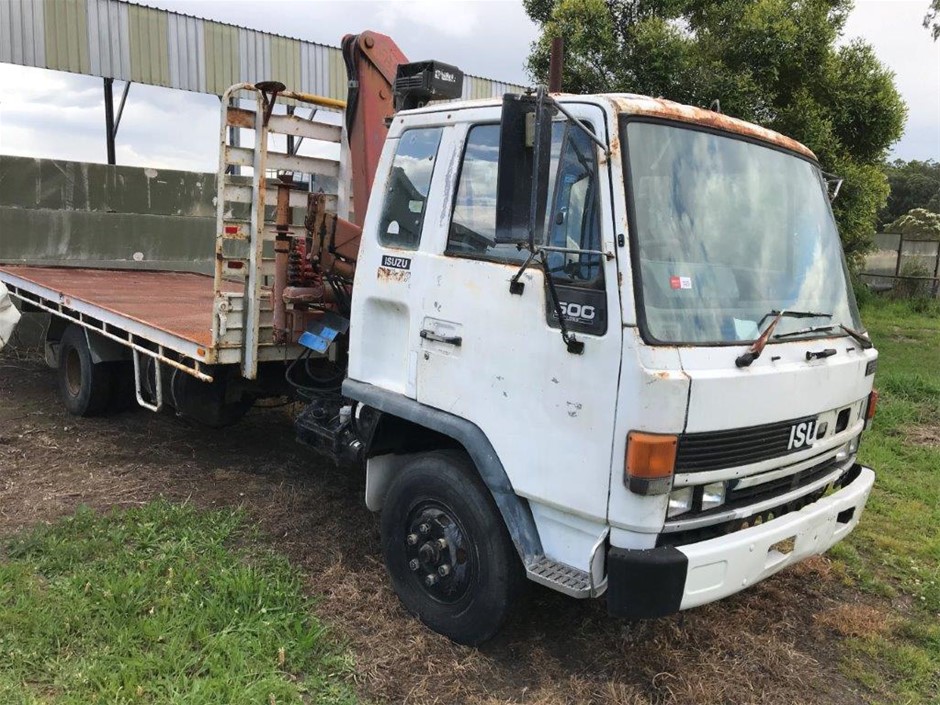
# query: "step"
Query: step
559,576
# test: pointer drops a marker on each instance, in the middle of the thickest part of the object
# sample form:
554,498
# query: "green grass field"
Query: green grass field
894,554
169,604
162,604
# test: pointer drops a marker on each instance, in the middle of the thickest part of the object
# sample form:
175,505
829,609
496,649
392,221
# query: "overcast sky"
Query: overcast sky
59,115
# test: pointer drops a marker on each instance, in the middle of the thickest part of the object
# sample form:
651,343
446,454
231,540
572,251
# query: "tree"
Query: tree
773,62
916,223
932,19
914,184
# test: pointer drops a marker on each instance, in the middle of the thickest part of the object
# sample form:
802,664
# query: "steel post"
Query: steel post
109,118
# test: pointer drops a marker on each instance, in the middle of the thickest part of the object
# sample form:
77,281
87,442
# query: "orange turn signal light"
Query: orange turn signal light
872,405
650,462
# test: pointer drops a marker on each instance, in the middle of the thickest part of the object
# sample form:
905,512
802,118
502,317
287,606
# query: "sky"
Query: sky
58,115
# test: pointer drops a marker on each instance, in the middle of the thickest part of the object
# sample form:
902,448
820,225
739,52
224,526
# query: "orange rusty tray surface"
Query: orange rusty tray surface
174,302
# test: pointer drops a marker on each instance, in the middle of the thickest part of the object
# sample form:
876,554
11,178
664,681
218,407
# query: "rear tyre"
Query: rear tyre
85,386
447,550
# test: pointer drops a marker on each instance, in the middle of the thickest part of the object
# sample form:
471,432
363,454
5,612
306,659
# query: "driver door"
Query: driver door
498,359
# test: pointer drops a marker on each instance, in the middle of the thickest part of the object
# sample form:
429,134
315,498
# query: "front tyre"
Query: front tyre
447,550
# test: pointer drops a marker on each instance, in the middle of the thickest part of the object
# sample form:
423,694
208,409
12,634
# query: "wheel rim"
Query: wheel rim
440,554
73,372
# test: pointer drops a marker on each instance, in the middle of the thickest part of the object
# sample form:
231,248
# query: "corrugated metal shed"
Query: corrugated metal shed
125,41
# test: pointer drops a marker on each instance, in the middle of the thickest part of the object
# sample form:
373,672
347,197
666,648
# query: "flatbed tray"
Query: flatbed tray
176,303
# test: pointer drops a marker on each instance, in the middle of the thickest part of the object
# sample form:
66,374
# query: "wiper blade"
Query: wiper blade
802,331
745,359
860,337
794,314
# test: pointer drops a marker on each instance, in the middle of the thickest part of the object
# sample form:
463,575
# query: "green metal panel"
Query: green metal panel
148,44
221,56
338,80
285,60
79,214
66,35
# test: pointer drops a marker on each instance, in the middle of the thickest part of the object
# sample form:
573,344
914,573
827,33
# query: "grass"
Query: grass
895,551
160,604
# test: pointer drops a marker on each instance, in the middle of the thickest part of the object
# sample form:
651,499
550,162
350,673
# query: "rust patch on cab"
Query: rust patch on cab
632,104
390,274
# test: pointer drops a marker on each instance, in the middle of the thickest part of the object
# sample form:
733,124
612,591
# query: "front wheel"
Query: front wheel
447,550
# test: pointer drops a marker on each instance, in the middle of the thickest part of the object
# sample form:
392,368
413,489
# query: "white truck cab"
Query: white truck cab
654,449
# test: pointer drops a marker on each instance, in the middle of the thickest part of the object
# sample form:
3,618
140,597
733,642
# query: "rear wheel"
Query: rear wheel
85,386
447,550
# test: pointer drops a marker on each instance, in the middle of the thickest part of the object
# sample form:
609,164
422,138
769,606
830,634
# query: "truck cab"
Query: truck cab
657,397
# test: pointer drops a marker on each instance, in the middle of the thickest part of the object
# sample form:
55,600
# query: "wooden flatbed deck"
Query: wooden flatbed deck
176,303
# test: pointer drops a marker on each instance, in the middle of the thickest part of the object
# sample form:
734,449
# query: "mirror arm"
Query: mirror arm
515,286
580,125
578,251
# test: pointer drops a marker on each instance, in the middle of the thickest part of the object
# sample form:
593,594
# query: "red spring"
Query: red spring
300,271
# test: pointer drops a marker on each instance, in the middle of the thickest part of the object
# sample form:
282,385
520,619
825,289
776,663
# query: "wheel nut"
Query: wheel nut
412,539
414,564
442,544
424,529
430,580
443,570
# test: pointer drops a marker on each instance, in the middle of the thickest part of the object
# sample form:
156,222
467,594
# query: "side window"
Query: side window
473,225
573,221
407,193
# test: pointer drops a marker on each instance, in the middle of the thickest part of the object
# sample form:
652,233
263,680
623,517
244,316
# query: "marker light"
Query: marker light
872,405
650,462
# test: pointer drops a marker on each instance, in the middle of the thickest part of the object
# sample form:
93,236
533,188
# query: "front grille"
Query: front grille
714,450
704,533
766,490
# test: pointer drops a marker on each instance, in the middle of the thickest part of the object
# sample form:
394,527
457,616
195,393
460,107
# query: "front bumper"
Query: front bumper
660,581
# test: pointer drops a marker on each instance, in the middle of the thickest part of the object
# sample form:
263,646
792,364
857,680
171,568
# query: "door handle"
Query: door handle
449,339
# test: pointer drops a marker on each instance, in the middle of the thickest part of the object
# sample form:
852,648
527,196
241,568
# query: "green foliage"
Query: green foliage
931,20
157,605
773,62
914,184
917,223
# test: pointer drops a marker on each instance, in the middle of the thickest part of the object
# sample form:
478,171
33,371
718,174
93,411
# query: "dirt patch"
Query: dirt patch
772,644
924,435
858,620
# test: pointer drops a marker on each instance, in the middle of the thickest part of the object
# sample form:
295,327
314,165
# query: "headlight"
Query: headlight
713,495
853,444
848,450
680,501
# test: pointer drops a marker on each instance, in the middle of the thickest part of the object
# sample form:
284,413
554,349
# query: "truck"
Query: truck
603,343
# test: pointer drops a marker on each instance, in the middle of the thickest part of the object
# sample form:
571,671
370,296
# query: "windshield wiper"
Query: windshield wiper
801,331
745,359
861,338
793,314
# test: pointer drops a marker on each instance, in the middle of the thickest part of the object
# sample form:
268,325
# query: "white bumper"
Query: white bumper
723,566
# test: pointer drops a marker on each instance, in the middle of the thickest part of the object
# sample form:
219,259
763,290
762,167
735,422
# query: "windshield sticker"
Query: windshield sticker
680,282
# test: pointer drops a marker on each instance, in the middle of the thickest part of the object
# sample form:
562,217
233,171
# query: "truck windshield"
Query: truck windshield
726,230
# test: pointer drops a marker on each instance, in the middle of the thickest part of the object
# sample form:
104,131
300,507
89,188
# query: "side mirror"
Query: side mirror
525,143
